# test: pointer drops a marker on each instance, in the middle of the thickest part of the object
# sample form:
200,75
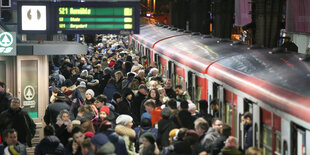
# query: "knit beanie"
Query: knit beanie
106,109
90,91
124,119
149,136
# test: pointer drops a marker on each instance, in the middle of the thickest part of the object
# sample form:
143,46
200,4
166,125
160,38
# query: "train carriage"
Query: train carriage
273,87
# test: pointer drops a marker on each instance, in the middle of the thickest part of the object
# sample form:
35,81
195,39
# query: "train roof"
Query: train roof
272,78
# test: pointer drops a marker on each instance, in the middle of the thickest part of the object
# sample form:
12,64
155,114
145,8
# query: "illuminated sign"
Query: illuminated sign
33,17
96,18
7,43
119,17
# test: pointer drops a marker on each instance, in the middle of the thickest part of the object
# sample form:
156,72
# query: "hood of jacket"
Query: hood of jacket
51,141
125,131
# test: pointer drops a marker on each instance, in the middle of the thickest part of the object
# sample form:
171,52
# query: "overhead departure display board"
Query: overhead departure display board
67,17
98,18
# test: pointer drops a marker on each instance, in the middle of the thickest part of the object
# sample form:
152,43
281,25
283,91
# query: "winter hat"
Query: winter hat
135,68
106,109
106,149
84,73
56,68
191,107
99,139
89,78
60,95
142,86
68,83
124,119
173,133
90,91
149,136
116,95
165,113
146,115
89,134
82,84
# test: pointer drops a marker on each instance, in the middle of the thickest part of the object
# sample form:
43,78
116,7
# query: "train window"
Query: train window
298,140
278,143
266,140
164,71
235,121
176,81
181,81
228,113
248,105
160,69
198,93
285,148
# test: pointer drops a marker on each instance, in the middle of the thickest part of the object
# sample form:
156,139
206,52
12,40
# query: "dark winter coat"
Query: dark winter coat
68,150
49,145
20,121
126,107
208,138
248,138
218,144
53,110
137,101
118,142
4,101
109,90
165,125
186,120
170,93
62,133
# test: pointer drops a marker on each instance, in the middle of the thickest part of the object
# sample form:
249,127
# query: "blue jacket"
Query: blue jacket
20,145
109,90
118,142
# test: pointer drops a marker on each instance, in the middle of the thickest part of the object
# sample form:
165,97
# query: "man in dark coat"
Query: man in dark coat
16,118
184,118
4,98
126,105
169,90
248,128
54,109
220,142
165,125
50,144
139,97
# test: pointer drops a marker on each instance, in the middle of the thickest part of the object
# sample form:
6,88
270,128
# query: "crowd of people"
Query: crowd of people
111,101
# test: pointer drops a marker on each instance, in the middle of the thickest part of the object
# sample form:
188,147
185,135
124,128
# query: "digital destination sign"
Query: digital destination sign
96,18
117,17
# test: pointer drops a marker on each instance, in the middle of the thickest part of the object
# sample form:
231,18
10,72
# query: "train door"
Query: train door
171,72
298,139
147,54
285,136
244,105
218,97
192,85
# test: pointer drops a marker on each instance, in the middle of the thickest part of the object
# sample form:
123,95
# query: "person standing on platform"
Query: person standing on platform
4,98
248,128
16,118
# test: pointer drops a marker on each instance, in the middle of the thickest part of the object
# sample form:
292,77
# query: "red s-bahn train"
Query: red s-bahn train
273,86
